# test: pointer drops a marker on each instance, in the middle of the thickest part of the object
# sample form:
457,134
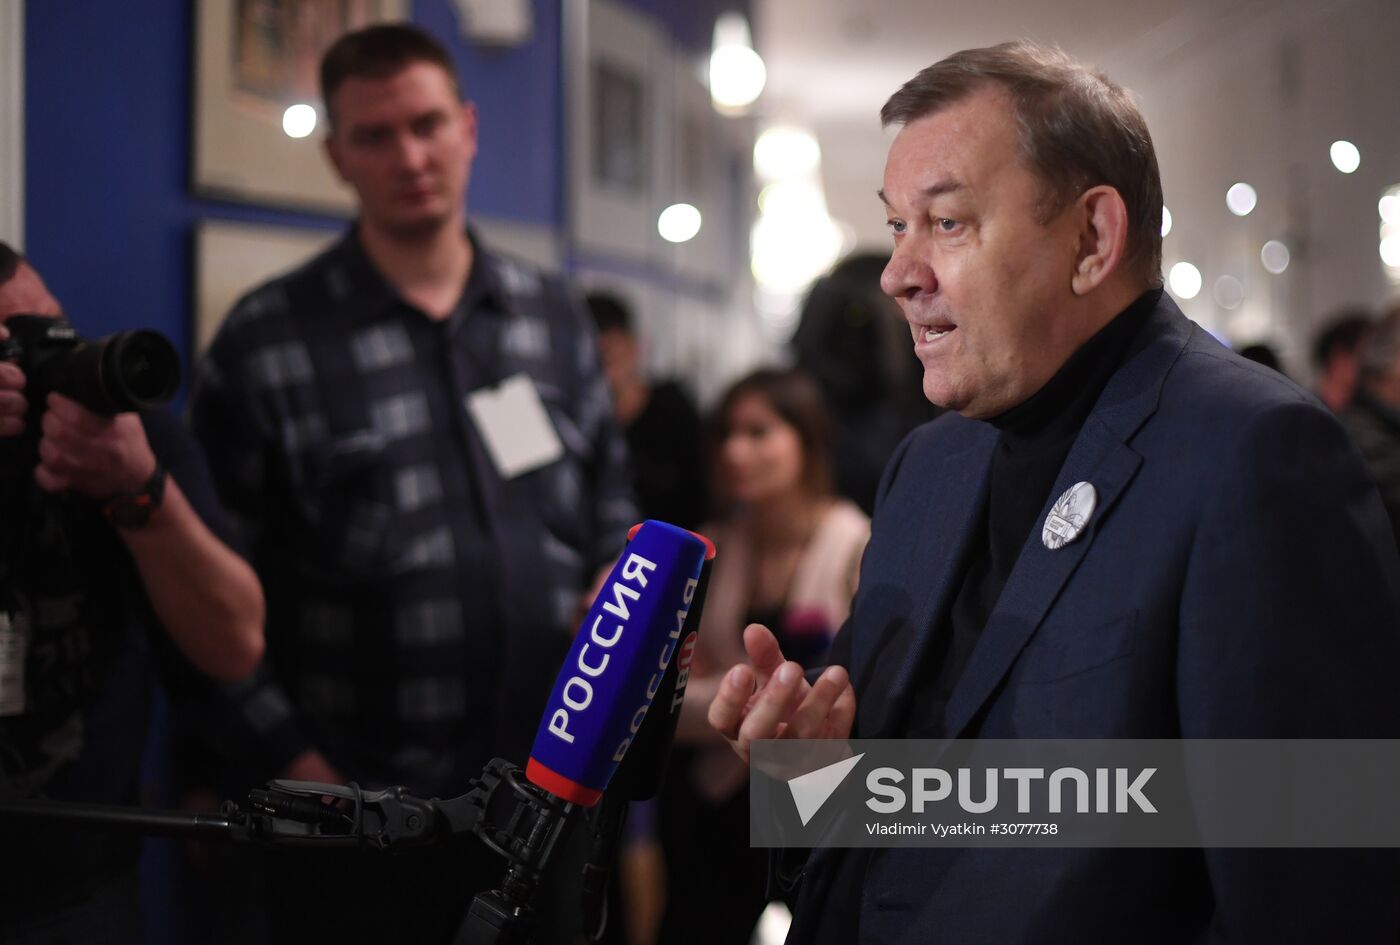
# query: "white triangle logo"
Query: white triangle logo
811,790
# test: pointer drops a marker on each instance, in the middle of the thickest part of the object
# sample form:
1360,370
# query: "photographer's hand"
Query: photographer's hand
13,404
206,597
311,765
91,454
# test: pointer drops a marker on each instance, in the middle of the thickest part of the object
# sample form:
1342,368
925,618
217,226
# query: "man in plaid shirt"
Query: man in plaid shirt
421,591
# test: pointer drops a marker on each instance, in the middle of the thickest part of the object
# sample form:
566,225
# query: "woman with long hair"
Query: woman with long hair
788,557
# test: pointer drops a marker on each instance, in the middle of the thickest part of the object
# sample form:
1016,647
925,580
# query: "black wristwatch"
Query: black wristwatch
133,510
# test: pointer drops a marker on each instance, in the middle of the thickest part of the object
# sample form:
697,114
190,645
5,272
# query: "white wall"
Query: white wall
1252,90
1263,105
12,122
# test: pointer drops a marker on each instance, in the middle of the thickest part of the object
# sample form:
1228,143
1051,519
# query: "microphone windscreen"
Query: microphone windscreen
641,773
617,663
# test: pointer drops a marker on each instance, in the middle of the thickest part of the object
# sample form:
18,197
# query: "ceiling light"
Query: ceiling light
1390,208
789,252
1345,156
1390,251
737,73
1185,280
1228,292
791,198
784,151
1241,199
1166,221
298,121
1274,256
678,223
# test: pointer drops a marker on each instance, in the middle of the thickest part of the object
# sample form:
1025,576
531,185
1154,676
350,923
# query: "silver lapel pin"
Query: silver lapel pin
1069,516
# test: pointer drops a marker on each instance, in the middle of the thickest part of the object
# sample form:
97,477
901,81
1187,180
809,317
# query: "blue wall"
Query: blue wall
106,135
109,214
519,170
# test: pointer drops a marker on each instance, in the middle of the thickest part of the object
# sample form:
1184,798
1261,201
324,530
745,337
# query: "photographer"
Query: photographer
103,537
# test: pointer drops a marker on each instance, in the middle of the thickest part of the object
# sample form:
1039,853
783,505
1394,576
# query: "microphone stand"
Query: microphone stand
640,775
522,823
519,821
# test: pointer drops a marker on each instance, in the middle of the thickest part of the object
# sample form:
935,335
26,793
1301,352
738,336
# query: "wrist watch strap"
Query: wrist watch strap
133,510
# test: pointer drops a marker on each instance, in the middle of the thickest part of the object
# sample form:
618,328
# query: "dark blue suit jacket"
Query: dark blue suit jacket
1237,580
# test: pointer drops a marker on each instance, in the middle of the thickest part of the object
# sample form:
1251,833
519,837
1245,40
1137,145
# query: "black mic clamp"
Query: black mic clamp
519,821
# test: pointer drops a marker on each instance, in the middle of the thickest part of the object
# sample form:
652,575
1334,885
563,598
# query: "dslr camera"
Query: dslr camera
130,370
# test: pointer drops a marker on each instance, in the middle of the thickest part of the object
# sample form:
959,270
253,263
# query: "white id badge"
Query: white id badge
14,647
512,420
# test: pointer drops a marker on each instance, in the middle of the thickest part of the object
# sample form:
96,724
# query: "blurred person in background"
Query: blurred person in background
666,452
1336,357
114,562
662,426
1263,353
851,341
788,556
1373,415
413,434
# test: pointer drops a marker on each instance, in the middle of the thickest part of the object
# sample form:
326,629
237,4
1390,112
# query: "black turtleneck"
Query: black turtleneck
1036,436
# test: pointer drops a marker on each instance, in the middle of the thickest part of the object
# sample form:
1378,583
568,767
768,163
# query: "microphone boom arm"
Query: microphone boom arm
520,821
295,813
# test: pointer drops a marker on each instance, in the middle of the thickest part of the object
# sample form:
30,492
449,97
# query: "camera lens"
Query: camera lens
146,369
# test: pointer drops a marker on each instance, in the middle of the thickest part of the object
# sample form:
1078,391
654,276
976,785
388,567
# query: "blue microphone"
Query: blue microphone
618,662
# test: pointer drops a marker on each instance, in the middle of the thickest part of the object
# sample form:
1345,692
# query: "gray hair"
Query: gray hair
1078,130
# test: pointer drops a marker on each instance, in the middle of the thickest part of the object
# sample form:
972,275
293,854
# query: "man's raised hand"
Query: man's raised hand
772,699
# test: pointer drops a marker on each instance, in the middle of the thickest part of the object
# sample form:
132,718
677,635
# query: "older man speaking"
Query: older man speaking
1120,530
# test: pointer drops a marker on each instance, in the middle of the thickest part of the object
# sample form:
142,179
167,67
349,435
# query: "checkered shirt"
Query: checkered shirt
418,603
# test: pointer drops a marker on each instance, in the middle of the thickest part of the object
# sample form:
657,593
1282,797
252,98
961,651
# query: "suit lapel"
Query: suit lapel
1098,459
1101,457
944,534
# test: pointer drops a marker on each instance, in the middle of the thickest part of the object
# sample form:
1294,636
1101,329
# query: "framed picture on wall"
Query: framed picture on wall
617,90
231,258
618,113
696,170
256,61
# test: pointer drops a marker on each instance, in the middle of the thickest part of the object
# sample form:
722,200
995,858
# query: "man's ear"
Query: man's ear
469,127
333,154
1103,237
